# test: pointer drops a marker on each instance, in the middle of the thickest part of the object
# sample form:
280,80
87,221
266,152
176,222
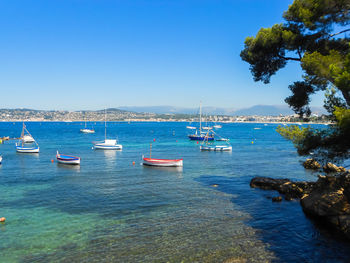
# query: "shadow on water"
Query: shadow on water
291,235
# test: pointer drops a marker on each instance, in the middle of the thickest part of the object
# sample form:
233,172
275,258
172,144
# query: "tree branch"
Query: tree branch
289,58
346,30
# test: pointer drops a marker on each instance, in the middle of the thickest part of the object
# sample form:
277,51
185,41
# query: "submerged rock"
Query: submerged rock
277,199
289,189
311,164
326,200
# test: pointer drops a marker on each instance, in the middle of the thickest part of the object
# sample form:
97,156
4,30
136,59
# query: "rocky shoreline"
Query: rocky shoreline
327,200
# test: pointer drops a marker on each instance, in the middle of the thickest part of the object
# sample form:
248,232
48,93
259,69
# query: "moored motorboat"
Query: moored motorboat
0,159
67,159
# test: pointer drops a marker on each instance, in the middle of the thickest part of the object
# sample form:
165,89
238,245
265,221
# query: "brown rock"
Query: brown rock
332,168
311,164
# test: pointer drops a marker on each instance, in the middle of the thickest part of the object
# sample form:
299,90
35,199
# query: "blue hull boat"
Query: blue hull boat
195,137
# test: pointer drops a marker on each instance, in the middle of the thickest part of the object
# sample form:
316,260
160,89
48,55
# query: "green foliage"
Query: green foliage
308,36
343,119
293,133
332,101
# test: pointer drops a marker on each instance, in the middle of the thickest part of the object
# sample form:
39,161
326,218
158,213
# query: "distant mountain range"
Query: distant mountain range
259,110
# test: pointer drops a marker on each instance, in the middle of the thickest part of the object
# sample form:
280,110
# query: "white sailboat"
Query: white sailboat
200,133
107,144
86,130
26,144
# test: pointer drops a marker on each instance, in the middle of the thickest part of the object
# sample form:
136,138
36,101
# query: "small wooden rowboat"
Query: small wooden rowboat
67,159
163,162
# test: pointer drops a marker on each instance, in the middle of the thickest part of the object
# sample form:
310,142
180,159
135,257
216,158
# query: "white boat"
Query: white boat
0,159
67,159
218,148
20,148
27,144
222,139
107,144
208,146
86,130
161,162
200,133
217,126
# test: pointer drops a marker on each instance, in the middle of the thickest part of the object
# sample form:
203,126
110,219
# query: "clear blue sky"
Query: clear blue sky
92,54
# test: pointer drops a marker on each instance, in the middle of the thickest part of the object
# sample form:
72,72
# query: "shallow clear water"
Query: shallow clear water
109,210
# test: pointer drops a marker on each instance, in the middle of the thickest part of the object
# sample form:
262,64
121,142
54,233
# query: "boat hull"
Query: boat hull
194,137
101,146
0,159
21,149
67,159
216,148
163,162
87,131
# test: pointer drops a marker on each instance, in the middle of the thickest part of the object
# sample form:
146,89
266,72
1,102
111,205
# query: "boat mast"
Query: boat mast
200,117
105,125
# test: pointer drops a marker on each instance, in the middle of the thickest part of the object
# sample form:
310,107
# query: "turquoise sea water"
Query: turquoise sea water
109,210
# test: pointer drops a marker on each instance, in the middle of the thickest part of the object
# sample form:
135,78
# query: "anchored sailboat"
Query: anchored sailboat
107,144
26,144
86,130
201,133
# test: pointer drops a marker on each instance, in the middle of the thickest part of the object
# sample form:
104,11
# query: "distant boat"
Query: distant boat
107,144
222,139
218,148
257,128
199,135
161,162
67,159
217,126
26,144
86,130
0,159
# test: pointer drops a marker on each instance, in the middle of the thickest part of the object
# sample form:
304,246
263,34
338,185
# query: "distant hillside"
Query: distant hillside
260,110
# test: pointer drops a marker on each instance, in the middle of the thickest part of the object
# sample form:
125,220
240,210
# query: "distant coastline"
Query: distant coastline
116,115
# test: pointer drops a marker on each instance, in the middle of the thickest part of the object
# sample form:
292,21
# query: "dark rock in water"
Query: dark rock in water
286,187
277,199
332,168
327,200
311,164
